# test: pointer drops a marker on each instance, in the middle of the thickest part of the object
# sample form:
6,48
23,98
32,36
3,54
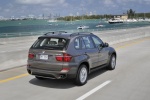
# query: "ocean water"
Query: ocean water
37,27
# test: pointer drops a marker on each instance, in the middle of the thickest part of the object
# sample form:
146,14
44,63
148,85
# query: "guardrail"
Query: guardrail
9,35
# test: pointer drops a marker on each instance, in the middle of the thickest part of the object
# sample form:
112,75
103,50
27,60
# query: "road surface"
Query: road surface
129,81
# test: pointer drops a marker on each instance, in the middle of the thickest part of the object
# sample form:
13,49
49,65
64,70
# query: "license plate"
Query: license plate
44,57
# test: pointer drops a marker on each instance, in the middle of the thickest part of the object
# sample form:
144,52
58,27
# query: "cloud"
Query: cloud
146,1
124,2
7,10
108,2
10,5
42,2
34,1
65,7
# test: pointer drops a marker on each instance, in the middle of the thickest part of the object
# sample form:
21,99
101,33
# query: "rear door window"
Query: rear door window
50,43
82,44
88,42
77,43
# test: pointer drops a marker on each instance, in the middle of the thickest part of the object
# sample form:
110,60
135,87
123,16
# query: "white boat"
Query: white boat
51,20
131,20
82,27
99,25
148,20
115,20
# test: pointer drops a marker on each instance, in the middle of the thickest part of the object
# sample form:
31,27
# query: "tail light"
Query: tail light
67,57
59,58
64,58
31,56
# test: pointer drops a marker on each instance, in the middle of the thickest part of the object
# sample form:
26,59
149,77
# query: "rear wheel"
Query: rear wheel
40,78
112,62
82,75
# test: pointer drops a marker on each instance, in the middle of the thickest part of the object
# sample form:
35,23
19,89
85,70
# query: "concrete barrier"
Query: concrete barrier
18,39
122,38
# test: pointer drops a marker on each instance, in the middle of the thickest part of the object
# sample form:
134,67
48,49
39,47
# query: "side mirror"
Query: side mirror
100,46
106,45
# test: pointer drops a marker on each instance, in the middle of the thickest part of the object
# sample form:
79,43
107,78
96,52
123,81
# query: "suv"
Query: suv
60,55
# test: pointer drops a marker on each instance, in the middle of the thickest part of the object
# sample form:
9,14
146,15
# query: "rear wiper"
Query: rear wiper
47,47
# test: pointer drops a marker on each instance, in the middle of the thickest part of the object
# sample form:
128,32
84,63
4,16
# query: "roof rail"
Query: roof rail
74,34
85,33
80,33
56,32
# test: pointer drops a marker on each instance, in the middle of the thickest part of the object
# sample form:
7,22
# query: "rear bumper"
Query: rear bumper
71,73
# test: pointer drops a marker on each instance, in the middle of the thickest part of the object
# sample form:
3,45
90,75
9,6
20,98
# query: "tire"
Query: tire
112,62
82,75
40,78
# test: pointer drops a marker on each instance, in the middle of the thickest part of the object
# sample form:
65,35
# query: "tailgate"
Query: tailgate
45,60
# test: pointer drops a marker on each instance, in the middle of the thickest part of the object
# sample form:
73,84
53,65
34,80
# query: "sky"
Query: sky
19,8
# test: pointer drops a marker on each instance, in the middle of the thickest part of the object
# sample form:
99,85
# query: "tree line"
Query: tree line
83,17
130,13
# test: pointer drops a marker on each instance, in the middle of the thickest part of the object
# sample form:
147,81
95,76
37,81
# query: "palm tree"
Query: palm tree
131,13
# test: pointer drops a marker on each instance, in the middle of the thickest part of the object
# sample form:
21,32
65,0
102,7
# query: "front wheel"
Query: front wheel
112,62
82,75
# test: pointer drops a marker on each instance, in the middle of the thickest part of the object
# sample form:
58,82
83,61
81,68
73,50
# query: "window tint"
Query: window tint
97,41
50,43
88,42
77,43
82,44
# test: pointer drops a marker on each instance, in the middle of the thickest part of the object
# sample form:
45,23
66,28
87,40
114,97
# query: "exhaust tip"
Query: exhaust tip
29,71
62,76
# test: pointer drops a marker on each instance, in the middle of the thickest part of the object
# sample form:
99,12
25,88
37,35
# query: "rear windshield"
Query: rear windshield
50,43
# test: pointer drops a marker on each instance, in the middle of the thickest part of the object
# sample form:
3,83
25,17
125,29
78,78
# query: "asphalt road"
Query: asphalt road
129,81
13,55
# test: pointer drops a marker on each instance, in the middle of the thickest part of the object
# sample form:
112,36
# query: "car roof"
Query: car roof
63,34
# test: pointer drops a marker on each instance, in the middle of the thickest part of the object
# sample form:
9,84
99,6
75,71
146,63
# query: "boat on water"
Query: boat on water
51,20
99,25
131,20
82,27
115,20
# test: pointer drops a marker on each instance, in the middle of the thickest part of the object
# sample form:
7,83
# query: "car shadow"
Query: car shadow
63,83
53,83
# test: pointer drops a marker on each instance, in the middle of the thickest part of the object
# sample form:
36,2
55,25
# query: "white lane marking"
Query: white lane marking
94,90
